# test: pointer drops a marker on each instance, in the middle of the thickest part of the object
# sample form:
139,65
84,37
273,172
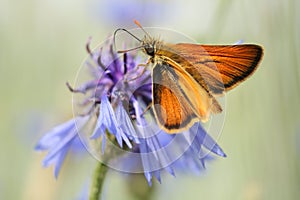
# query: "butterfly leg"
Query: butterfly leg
146,109
144,65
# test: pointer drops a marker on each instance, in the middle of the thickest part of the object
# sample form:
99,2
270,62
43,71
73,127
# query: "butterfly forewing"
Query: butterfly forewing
216,68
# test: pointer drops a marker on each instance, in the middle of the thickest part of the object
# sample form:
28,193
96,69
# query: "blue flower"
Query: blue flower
121,12
155,157
118,94
107,71
59,141
108,121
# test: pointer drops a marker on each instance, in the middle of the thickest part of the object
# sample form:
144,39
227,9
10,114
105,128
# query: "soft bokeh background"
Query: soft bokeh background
42,46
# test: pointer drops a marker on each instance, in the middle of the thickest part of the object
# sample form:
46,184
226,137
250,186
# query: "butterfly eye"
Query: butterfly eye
149,50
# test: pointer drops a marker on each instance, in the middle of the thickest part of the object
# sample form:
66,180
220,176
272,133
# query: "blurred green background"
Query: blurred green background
42,47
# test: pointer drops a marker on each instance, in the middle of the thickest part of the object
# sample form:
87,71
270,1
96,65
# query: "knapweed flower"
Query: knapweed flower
118,96
59,141
121,12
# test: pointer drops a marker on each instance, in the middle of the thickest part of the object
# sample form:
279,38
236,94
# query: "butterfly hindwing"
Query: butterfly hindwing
178,100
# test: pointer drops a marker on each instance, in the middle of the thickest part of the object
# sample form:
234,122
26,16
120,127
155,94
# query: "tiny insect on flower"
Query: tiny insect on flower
118,95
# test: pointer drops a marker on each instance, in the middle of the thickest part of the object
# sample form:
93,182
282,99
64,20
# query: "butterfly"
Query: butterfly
187,78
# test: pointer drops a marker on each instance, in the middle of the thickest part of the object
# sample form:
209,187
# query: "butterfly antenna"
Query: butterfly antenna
123,29
140,26
126,50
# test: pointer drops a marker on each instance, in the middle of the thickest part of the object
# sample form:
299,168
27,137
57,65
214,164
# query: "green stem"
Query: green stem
98,180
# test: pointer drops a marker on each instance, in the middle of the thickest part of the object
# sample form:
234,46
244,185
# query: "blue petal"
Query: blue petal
52,137
148,176
98,131
59,161
125,138
157,175
239,42
107,120
125,123
108,116
58,141
202,138
211,145
65,143
154,158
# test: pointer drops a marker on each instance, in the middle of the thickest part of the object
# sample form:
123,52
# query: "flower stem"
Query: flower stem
98,180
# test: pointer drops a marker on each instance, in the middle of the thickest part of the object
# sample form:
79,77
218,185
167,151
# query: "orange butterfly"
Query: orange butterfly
187,78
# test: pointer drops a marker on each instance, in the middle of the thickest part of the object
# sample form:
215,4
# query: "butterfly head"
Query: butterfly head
148,43
149,46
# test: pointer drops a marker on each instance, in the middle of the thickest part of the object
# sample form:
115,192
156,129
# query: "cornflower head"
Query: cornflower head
114,120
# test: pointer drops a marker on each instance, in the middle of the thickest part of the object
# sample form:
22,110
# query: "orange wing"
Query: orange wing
217,68
178,100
